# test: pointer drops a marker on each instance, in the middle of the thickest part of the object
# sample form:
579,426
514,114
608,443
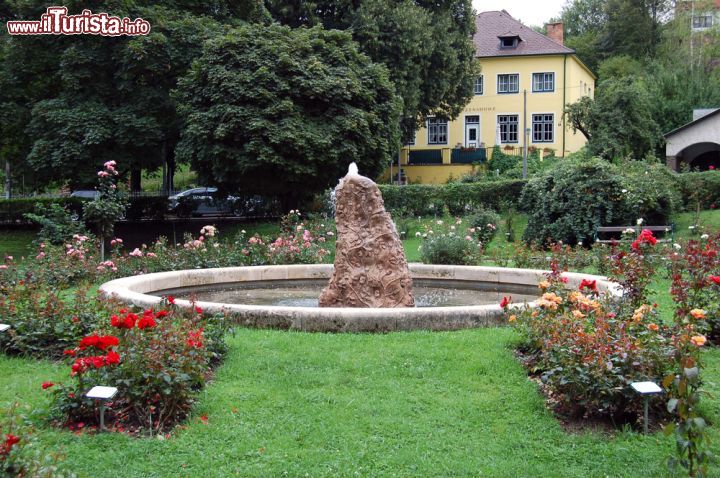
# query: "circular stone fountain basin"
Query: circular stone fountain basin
147,291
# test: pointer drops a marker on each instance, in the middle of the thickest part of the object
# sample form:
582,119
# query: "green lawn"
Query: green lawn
184,179
16,243
403,404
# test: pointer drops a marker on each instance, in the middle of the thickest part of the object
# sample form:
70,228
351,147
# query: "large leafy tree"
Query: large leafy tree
600,29
425,44
282,111
81,100
619,122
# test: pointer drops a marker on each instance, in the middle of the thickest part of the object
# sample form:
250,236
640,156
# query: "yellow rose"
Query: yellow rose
698,340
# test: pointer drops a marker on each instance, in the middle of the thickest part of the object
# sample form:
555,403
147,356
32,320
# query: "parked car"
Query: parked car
199,202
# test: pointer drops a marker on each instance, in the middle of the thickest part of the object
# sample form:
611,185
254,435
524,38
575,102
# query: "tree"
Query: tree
79,99
584,21
619,122
282,111
426,46
634,27
620,66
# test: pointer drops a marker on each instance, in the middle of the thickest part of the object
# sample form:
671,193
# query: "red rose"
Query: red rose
161,313
112,358
715,280
89,341
198,310
70,353
588,284
46,385
645,237
98,362
130,320
147,322
171,300
107,341
505,301
195,339
11,440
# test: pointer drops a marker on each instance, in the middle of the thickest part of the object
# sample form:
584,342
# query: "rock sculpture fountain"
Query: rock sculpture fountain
370,266
370,287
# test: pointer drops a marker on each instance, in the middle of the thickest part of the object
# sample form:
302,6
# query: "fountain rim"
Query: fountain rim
137,290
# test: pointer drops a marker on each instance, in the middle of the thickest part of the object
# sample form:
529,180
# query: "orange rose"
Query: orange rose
512,318
698,314
653,327
698,340
544,284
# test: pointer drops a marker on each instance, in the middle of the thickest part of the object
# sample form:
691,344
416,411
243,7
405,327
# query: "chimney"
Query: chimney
555,32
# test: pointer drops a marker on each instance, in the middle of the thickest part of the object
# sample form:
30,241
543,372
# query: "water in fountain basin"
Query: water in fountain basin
304,293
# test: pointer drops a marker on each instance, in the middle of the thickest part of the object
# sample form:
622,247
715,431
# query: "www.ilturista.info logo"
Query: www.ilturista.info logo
57,22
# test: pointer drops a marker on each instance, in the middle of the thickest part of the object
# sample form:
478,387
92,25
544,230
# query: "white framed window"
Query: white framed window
437,130
543,128
543,82
479,85
702,21
508,125
508,83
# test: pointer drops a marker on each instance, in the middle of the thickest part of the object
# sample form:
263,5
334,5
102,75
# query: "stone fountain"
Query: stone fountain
370,288
370,266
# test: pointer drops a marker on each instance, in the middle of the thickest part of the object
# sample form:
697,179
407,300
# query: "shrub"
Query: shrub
460,198
157,359
587,354
43,323
449,243
695,274
485,222
576,197
56,222
570,202
14,210
699,190
20,453
650,192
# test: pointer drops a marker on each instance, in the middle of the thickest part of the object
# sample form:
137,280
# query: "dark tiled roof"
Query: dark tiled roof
491,25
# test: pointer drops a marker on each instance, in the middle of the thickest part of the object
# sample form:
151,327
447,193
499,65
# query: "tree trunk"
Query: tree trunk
136,180
8,180
170,161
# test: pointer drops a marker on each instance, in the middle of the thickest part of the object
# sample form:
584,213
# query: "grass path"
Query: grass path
403,404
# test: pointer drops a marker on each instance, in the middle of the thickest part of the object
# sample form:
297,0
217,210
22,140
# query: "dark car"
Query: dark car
207,201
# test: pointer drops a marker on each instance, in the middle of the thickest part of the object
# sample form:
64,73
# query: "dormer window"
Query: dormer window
509,41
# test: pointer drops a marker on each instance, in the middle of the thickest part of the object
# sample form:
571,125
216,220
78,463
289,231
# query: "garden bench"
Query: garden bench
615,229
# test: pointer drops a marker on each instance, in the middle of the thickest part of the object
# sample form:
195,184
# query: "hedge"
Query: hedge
429,199
14,210
703,187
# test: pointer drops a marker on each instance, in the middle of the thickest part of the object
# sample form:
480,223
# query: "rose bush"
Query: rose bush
158,360
587,354
449,242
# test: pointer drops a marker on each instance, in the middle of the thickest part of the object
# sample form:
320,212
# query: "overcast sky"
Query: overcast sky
530,12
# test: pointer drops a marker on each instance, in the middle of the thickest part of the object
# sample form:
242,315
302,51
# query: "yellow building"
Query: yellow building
526,80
